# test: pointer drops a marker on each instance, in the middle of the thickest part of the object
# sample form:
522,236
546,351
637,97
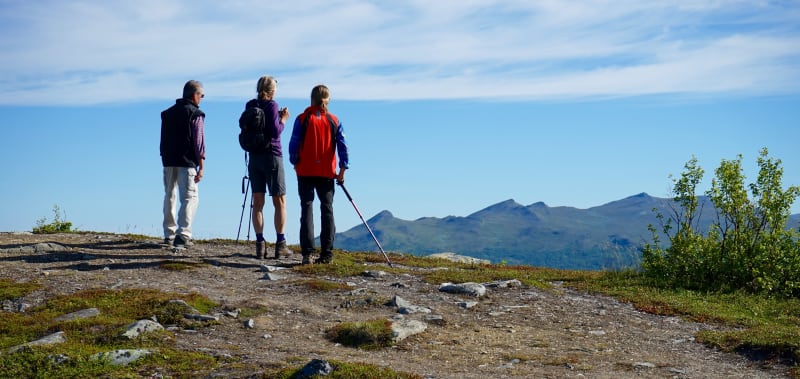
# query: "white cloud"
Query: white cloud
116,51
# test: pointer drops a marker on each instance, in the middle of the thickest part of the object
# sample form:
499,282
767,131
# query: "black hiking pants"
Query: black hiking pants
324,188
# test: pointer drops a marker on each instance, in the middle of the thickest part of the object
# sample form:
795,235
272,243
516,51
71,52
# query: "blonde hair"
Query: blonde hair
266,87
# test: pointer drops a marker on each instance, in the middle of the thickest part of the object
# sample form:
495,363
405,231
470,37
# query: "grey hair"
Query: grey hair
190,88
266,87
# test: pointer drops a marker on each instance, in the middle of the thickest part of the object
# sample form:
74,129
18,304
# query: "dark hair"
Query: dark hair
319,93
190,88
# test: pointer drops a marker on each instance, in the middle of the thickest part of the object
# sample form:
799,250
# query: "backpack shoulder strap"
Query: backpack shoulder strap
334,127
331,121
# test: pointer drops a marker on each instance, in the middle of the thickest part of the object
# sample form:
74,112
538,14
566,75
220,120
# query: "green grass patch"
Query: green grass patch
324,285
101,333
436,271
751,322
343,265
10,290
253,310
529,276
346,370
373,334
57,363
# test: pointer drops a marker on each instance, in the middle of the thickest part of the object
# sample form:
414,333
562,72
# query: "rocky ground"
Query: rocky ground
512,332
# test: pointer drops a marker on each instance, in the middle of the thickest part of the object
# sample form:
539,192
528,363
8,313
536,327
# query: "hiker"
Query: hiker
317,136
265,169
183,153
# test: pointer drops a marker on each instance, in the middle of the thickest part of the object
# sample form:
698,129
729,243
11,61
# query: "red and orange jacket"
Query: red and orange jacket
317,137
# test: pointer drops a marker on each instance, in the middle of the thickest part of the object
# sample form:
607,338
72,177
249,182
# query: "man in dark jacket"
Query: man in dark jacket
183,154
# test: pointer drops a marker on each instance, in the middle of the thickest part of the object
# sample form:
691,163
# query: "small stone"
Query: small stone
233,313
469,288
81,314
140,327
374,274
122,357
435,319
317,367
201,317
271,276
467,304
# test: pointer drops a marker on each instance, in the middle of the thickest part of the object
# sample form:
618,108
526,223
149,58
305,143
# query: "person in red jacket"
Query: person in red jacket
317,137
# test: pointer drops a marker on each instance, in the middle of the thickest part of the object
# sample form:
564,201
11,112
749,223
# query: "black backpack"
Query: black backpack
254,136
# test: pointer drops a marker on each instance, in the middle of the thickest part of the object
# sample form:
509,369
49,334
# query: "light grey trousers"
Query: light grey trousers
179,183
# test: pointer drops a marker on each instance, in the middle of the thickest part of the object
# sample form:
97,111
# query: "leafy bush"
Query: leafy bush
58,225
747,247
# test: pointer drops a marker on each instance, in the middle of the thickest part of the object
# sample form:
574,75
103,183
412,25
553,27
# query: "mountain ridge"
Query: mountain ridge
606,236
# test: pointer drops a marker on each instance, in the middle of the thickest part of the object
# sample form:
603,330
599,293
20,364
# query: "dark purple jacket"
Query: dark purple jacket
274,124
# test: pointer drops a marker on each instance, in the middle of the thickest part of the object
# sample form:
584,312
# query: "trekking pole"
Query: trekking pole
365,222
245,189
244,201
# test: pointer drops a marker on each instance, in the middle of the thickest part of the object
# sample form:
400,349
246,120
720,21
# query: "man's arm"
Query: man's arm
198,131
341,148
294,142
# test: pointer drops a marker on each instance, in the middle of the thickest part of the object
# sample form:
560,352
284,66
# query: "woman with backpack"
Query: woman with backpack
265,168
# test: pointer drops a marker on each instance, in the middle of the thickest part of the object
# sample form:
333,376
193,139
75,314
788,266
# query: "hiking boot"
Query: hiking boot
182,242
306,259
324,258
168,242
259,250
281,250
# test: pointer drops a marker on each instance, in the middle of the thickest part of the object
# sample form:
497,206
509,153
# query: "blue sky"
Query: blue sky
449,106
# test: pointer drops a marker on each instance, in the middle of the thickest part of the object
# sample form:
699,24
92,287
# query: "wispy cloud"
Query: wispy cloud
84,52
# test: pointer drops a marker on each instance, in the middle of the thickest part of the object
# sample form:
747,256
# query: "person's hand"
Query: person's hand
284,113
199,176
340,177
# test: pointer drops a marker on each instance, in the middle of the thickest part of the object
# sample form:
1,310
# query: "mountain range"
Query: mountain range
604,237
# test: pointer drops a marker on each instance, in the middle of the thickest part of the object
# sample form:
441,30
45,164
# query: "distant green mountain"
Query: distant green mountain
604,237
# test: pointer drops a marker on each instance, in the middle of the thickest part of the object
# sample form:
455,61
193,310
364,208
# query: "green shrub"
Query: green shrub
58,225
747,247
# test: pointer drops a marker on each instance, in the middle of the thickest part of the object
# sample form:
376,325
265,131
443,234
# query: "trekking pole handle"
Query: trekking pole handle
341,184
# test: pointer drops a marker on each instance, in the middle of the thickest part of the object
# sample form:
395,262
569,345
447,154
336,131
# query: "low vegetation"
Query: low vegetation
324,285
372,334
346,370
58,225
101,333
748,246
747,321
